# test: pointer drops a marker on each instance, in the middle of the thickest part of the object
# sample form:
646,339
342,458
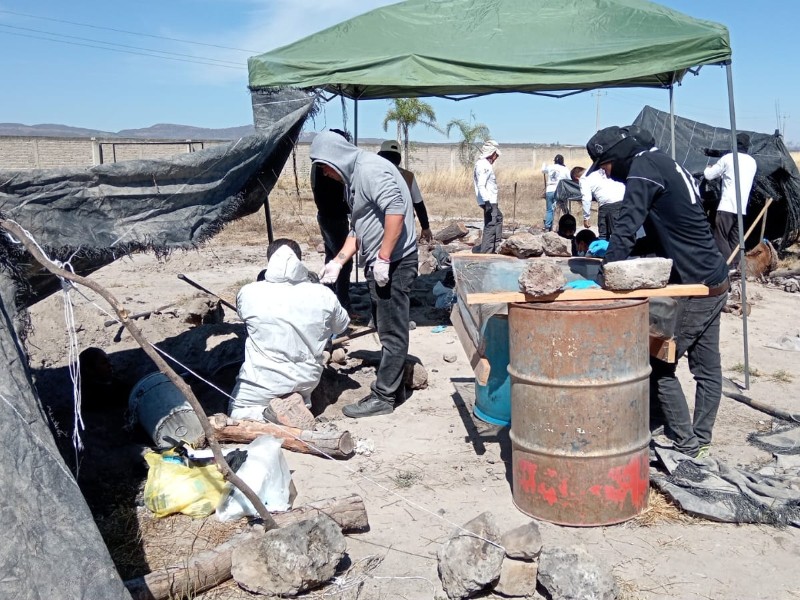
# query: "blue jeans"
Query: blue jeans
697,336
390,311
334,234
548,215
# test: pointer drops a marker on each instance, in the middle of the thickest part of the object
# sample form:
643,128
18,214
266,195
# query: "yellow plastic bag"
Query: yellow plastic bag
175,488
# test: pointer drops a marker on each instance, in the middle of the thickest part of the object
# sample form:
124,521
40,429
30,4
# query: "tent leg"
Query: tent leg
355,121
268,216
672,119
355,141
740,221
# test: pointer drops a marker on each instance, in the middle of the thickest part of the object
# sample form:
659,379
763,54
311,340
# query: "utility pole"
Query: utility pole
597,95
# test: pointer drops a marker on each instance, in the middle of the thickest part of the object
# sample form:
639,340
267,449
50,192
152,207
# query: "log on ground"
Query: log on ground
208,569
338,444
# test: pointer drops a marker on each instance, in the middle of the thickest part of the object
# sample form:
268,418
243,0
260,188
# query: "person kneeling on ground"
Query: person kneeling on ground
289,320
583,240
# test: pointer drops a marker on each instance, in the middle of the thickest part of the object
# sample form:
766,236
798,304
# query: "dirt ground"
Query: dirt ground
431,468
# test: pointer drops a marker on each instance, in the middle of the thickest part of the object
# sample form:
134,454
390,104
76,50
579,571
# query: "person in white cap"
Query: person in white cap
390,150
486,195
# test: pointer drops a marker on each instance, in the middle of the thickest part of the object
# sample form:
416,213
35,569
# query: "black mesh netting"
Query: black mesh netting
777,176
91,216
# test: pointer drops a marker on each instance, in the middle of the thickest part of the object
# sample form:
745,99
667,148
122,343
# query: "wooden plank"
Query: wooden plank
662,348
480,366
592,294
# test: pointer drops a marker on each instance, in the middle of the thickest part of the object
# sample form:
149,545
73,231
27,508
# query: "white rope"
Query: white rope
72,342
312,446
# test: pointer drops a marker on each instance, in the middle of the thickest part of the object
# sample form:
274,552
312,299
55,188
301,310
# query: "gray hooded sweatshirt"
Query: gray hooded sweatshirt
376,189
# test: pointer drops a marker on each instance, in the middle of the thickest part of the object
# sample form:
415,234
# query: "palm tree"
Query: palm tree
408,112
471,133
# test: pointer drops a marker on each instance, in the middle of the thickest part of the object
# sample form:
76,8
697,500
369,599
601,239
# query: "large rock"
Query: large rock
638,273
573,574
522,245
524,542
517,579
415,376
541,278
555,245
469,564
291,559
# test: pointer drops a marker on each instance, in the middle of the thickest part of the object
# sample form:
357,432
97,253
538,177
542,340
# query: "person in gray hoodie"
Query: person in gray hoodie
383,232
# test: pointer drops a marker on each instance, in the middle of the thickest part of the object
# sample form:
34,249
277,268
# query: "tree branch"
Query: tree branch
16,230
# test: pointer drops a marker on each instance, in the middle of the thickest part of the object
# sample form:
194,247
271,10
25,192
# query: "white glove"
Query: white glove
330,272
380,271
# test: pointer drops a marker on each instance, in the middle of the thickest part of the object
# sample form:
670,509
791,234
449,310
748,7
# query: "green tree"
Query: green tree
406,113
471,133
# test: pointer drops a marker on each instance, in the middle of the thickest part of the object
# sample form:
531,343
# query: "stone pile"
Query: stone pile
476,559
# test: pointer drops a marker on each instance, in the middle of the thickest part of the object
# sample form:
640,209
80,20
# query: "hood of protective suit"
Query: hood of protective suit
333,150
284,267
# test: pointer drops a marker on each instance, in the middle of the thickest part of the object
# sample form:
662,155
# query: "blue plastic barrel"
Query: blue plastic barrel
493,400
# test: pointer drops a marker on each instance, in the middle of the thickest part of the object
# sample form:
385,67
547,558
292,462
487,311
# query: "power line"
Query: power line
150,35
197,62
83,39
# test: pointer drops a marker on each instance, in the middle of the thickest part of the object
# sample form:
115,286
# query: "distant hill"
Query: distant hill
159,131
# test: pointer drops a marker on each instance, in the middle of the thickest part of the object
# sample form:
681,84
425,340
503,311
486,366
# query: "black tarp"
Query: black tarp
777,176
51,548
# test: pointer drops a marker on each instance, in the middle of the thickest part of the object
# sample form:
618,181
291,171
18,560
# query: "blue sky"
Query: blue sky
50,82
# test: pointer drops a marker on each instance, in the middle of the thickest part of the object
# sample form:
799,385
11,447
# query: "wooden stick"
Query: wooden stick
139,315
208,569
480,365
763,214
591,294
663,348
122,314
338,444
763,407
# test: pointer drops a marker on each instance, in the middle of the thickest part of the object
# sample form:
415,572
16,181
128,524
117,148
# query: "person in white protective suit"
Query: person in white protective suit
289,321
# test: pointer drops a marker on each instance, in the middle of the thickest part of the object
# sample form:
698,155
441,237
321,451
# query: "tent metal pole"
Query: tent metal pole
355,121
672,119
740,222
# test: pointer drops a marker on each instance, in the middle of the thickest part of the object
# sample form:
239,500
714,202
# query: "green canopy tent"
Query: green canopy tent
465,48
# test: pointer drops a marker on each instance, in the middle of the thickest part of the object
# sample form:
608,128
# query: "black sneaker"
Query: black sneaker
370,406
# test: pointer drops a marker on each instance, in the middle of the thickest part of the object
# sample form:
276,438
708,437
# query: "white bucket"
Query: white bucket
164,412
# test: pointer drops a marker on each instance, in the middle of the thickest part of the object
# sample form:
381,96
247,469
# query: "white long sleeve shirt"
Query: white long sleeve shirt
485,182
602,188
724,168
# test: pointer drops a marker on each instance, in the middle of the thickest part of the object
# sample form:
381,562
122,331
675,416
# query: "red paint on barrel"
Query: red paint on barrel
633,479
526,475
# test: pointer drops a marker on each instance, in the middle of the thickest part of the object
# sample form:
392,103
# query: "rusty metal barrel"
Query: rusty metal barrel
580,410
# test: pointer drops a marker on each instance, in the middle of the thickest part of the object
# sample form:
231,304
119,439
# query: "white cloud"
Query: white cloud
270,24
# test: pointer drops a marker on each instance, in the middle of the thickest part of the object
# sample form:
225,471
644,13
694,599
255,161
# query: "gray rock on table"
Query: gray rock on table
637,273
541,277
555,245
522,245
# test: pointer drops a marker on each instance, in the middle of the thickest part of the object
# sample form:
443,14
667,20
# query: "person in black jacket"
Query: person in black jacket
333,217
661,196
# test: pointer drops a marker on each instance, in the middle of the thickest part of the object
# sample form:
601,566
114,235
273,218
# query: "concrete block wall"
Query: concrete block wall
35,152
444,157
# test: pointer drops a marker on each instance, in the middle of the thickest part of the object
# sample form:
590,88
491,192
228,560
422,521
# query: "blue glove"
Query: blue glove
598,248
581,284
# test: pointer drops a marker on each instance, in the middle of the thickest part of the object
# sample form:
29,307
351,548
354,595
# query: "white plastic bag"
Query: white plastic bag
267,473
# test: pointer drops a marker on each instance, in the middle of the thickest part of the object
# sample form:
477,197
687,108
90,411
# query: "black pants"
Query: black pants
492,228
390,311
697,336
334,234
606,215
726,235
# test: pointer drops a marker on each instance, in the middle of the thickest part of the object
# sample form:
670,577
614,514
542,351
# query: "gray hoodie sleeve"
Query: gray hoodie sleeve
386,193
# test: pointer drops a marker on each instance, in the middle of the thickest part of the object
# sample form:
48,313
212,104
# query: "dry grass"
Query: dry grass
660,510
449,195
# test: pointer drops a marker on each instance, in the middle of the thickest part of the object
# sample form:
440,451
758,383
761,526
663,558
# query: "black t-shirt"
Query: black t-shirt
329,195
661,196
